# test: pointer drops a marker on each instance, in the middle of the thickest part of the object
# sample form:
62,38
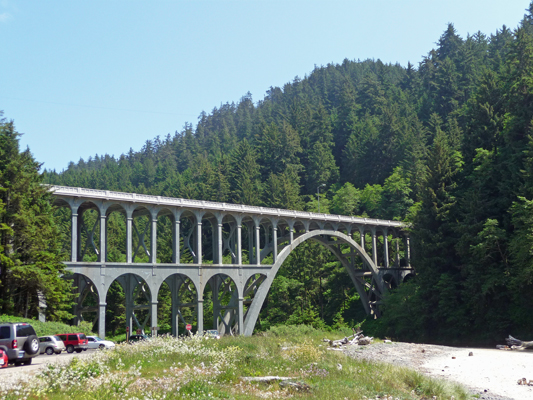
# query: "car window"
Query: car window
90,339
72,337
25,330
62,337
43,339
56,337
82,336
5,332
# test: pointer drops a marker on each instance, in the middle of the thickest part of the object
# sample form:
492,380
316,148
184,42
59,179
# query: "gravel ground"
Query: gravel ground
490,374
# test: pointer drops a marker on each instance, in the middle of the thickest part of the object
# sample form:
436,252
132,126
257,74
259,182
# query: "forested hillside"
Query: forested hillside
446,145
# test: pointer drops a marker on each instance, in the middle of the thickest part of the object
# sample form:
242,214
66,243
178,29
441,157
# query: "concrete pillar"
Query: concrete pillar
239,243
219,243
103,251
200,312
101,320
274,247
154,318
241,316
291,233
199,241
408,251
176,255
215,282
129,236
257,243
362,234
128,291
385,249
153,240
74,234
174,295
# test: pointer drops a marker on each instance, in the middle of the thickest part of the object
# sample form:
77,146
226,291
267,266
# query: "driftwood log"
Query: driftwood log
357,338
517,344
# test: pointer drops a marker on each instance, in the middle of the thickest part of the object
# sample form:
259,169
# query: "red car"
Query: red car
3,359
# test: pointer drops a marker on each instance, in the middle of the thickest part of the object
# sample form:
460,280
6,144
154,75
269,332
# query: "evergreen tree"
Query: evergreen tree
30,256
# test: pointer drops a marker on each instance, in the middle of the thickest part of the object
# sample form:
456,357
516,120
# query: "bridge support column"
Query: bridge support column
274,248
153,240
129,235
101,320
103,237
385,249
241,316
154,318
408,251
257,244
362,234
74,234
128,291
219,242
200,312
176,256
174,295
239,244
199,241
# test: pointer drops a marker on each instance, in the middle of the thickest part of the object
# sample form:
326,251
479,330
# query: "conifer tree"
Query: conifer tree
30,256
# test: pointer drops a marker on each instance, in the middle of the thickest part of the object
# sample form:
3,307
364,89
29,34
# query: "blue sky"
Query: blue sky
85,78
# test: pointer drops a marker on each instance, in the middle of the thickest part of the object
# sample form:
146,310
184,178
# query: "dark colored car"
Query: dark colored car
74,342
19,341
3,359
138,338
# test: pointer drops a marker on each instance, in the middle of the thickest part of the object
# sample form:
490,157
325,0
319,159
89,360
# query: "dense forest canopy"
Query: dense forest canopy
446,146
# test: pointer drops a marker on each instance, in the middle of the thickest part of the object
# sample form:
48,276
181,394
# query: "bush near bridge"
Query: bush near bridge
200,368
52,327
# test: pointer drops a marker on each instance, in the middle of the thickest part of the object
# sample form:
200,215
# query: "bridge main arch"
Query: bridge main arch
370,292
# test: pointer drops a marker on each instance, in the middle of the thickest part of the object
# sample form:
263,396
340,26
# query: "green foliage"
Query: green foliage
30,260
51,327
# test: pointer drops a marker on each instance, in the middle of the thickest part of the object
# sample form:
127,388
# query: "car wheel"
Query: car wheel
31,346
101,347
79,350
49,351
70,348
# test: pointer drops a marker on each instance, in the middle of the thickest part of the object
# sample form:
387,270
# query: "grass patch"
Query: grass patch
200,368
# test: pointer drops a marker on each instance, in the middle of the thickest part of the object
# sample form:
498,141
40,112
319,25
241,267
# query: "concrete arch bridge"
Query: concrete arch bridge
145,243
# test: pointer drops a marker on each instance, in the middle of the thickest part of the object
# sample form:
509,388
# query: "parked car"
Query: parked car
74,341
51,345
138,338
212,334
96,343
19,341
3,359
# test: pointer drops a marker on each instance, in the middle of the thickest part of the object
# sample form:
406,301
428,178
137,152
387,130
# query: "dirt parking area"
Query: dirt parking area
490,374
12,374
